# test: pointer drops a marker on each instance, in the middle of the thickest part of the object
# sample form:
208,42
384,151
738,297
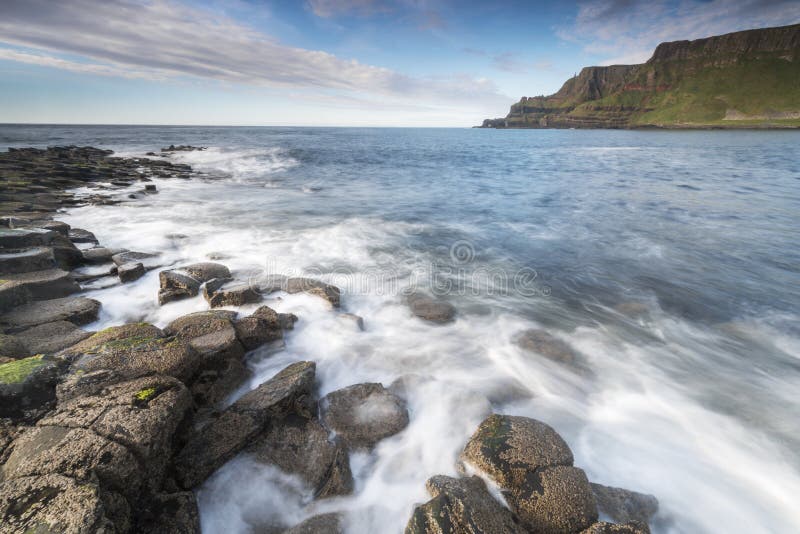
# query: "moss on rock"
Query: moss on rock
18,371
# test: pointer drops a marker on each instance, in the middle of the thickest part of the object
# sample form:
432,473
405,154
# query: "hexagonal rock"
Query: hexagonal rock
27,260
73,452
431,309
300,446
55,503
79,235
212,335
25,237
363,414
632,527
50,338
142,415
99,254
176,284
319,524
77,310
227,292
42,285
623,505
28,386
149,259
262,326
533,466
133,350
209,447
462,505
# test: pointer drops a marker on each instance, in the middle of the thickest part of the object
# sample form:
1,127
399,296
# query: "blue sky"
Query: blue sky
326,62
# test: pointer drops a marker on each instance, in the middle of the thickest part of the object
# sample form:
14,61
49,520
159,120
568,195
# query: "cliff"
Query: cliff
742,79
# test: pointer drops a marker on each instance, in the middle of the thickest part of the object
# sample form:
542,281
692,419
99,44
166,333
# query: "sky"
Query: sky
327,62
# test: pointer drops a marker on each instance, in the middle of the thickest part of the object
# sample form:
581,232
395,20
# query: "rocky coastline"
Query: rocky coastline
113,431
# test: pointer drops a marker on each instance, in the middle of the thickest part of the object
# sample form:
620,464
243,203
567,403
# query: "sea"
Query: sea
669,261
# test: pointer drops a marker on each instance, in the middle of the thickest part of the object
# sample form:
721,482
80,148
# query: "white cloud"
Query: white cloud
627,31
158,39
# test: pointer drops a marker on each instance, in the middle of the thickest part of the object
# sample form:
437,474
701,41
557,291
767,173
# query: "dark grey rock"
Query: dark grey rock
99,254
43,285
77,310
623,505
79,235
28,386
17,238
209,447
430,309
319,524
149,259
262,326
363,414
173,513
227,292
49,338
27,260
11,347
128,272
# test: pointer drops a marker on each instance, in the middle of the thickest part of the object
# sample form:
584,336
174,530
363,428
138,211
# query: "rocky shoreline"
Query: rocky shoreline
112,431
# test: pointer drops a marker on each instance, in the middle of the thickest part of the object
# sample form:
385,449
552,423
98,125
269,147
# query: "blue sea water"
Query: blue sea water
669,260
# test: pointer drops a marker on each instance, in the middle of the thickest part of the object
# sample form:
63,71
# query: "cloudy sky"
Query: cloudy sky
326,62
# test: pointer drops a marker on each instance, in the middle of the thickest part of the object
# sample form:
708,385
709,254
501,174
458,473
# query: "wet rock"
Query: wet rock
533,466
549,346
66,254
27,260
42,285
9,431
77,310
56,503
57,226
212,335
169,513
319,524
300,446
623,505
148,259
150,188
356,319
79,235
182,148
12,295
226,292
287,320
209,447
262,326
430,309
176,284
313,287
462,505
49,338
128,272
73,452
28,386
363,414
99,254
142,415
133,350
11,347
25,237
633,527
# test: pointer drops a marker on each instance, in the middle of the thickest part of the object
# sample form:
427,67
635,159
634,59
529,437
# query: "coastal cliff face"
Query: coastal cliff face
743,79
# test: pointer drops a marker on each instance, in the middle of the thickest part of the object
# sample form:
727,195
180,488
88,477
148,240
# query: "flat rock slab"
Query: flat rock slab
623,505
27,260
43,285
77,310
129,272
185,282
271,283
49,338
462,505
79,235
99,254
227,292
363,414
209,447
149,259
25,237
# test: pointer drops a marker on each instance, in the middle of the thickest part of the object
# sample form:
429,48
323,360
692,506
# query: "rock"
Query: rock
430,309
77,310
176,284
56,503
462,505
57,226
27,260
73,452
209,447
42,285
633,527
173,513
142,415
300,446
133,350
67,255
533,466
149,259
12,295
79,235
182,148
212,335
356,319
49,338
128,272
319,524
313,287
287,320
363,414
225,292
547,345
25,237
262,326
11,347
8,433
28,386
150,188
99,254
623,505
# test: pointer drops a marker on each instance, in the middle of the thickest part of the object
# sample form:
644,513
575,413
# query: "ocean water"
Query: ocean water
670,261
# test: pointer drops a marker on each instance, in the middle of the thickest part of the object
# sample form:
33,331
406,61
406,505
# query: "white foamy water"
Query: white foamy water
697,412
